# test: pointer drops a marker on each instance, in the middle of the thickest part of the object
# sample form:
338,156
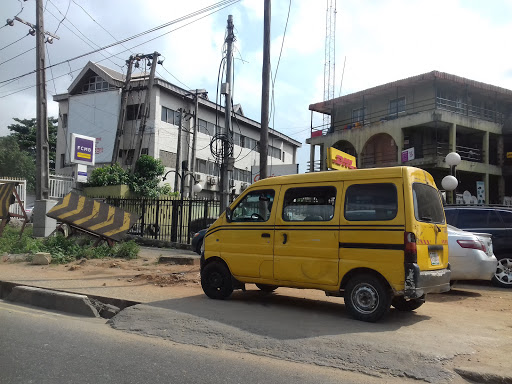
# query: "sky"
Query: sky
379,42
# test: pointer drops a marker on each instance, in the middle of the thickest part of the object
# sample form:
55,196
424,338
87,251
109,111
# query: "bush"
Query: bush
64,249
109,175
127,250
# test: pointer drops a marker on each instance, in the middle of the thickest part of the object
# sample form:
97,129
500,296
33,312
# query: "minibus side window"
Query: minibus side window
371,202
309,204
427,204
254,207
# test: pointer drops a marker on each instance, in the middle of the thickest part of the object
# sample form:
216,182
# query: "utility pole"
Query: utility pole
144,118
43,225
192,165
224,181
178,154
42,145
122,112
265,90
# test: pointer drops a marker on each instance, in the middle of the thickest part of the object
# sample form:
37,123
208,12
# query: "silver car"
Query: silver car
470,255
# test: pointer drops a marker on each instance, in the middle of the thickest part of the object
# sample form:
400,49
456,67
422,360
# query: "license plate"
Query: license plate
434,258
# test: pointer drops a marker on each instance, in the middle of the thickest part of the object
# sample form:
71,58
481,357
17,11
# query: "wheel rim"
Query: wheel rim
504,271
365,298
215,281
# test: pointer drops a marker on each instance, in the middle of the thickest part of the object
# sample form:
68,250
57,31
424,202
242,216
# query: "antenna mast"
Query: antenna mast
330,57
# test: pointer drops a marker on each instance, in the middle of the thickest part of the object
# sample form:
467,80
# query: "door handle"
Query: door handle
265,235
285,238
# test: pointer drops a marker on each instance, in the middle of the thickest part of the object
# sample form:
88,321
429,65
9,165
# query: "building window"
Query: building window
283,157
96,84
129,156
397,105
274,152
144,151
201,166
64,120
134,112
201,126
358,115
250,143
62,160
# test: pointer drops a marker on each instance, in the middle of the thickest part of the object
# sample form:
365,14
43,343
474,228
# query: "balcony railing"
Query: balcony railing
431,104
442,149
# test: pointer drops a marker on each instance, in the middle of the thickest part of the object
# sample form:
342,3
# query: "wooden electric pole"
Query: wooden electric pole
122,111
42,145
146,109
265,91
224,180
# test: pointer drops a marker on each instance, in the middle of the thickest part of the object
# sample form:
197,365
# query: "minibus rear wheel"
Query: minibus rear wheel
216,281
367,298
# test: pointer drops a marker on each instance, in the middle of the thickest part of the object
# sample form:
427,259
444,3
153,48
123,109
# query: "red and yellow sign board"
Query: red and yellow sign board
337,159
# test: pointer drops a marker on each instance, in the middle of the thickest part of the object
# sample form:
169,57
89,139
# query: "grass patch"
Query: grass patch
64,249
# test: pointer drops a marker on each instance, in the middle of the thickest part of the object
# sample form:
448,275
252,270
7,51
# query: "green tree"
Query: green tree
15,162
144,181
25,134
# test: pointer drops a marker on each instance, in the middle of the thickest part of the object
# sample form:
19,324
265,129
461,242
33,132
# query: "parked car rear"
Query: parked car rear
471,255
494,220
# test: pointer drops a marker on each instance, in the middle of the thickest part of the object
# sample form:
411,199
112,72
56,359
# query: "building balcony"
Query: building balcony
360,119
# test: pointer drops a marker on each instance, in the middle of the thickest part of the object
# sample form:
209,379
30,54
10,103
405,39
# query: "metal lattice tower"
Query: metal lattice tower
330,56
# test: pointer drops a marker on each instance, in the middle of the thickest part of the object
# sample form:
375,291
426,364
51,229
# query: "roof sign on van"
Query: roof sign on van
339,160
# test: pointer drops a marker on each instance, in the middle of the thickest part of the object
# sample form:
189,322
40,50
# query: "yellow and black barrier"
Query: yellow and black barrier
93,216
8,196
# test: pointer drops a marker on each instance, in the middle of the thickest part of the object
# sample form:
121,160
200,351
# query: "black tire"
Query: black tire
216,281
266,287
400,303
367,297
503,276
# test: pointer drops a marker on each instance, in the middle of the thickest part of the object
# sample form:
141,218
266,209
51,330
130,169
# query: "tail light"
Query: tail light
410,251
473,244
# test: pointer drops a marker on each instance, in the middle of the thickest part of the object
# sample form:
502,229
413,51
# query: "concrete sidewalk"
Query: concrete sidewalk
116,278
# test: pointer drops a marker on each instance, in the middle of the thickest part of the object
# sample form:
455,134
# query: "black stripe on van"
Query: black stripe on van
394,247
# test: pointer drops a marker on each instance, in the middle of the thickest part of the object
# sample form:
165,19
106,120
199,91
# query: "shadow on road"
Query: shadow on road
285,317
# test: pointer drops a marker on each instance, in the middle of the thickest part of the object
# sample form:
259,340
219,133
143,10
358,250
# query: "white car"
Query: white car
470,255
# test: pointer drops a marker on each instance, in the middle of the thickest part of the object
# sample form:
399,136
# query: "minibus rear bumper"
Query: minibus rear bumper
419,283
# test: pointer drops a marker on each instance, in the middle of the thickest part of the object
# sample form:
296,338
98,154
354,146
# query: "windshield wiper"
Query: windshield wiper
426,218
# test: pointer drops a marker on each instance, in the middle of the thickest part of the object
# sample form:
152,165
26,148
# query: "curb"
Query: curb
483,377
105,307
60,301
179,260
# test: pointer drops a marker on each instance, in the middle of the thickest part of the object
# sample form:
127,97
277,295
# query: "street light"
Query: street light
450,182
196,188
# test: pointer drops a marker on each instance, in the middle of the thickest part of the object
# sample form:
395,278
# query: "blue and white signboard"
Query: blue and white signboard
83,149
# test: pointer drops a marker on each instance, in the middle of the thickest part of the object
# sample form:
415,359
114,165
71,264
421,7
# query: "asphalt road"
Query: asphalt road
38,346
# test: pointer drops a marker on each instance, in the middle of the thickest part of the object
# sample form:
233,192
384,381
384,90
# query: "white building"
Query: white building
91,107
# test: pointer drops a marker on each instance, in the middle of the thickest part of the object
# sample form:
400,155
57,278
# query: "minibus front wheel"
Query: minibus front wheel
216,281
367,298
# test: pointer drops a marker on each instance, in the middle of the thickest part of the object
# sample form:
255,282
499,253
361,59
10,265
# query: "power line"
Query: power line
67,10
221,5
22,53
51,69
14,42
91,44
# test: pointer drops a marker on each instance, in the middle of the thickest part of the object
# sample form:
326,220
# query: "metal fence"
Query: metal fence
22,192
60,186
171,219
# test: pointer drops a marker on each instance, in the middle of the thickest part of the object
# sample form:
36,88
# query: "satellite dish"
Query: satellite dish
467,197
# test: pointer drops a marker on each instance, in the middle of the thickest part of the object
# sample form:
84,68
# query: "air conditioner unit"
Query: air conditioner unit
212,180
232,183
243,186
198,177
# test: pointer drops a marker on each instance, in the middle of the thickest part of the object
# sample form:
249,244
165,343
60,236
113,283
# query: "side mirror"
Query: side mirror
229,215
